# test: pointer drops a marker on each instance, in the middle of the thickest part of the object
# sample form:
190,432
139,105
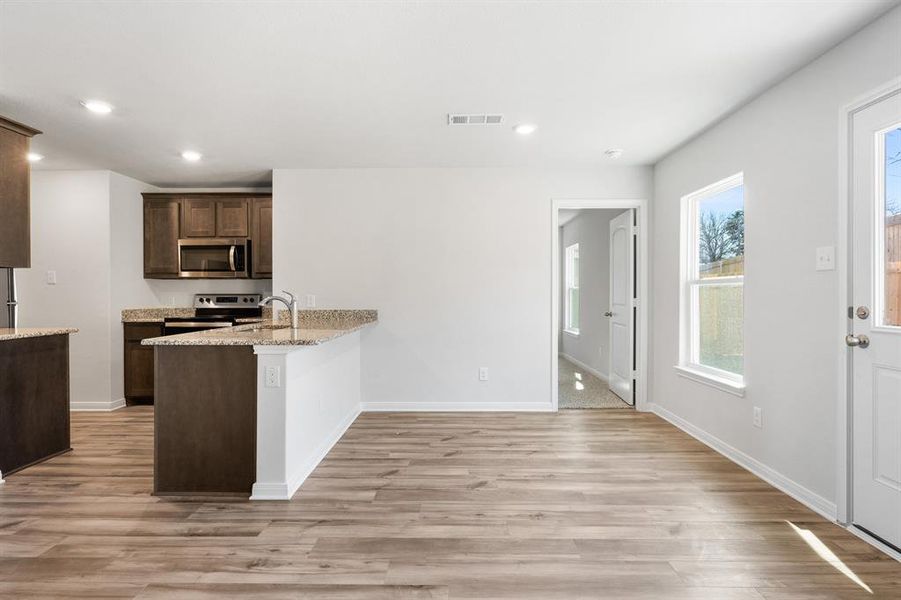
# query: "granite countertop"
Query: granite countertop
159,314
317,327
19,333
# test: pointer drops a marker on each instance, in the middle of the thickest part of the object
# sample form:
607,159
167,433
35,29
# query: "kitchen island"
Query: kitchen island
34,396
252,409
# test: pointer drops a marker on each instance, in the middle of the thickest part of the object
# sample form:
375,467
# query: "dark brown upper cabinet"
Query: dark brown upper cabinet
211,217
198,217
261,248
169,217
15,194
232,218
161,232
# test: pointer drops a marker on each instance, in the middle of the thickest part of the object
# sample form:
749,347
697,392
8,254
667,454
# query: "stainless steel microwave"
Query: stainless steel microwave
225,258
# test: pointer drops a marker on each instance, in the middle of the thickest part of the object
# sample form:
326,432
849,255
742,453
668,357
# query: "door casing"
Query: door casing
642,398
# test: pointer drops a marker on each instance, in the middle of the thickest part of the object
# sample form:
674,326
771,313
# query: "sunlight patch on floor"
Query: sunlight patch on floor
826,554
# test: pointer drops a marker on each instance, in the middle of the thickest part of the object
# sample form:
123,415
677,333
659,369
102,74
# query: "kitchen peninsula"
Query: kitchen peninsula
252,409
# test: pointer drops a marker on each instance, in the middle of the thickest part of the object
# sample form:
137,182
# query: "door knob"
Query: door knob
608,314
861,341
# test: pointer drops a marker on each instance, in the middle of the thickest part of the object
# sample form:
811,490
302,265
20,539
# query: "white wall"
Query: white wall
786,142
129,289
591,230
70,225
88,227
457,261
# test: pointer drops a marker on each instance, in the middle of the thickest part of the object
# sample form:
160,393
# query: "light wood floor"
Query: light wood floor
581,504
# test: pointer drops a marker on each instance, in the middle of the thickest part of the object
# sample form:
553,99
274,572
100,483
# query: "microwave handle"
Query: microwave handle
231,258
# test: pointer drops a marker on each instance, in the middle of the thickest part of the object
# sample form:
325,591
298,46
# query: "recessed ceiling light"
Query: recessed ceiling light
191,155
98,106
614,153
34,157
525,128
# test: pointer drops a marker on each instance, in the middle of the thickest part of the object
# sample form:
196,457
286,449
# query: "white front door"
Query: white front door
621,313
875,319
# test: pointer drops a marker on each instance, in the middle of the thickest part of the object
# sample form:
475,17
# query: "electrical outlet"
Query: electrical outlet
273,377
483,373
758,417
826,258
310,301
51,277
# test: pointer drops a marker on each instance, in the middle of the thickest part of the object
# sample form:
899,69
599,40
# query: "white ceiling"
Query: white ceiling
262,85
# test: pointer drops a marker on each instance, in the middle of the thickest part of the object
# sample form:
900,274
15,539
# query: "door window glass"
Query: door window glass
891,202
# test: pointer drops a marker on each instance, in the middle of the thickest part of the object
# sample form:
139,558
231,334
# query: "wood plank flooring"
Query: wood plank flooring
580,504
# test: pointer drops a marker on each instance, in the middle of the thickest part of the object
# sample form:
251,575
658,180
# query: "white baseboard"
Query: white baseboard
285,491
458,407
107,406
602,376
810,499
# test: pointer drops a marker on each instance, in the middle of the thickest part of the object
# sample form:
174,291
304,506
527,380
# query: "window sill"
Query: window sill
720,383
572,332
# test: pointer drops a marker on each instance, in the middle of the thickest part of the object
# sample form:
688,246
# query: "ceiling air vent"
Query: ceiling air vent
457,119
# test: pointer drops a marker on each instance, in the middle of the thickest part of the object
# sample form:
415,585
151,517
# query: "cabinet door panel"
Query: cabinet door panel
15,215
262,237
138,359
161,218
231,218
198,218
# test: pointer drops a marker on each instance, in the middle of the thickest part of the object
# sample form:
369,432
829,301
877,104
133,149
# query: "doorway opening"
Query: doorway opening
599,321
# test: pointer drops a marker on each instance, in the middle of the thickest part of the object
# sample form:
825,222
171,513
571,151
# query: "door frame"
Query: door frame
844,400
642,399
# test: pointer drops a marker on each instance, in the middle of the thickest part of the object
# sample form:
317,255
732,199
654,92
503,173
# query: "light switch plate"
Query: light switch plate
483,373
826,258
310,301
758,417
51,277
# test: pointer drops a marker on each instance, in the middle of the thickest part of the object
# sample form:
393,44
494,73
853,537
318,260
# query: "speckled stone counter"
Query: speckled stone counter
160,314
317,327
154,315
32,332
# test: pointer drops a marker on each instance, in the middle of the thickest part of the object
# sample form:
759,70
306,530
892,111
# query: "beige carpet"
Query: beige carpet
577,388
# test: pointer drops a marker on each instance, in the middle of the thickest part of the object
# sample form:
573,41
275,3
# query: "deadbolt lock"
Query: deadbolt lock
863,312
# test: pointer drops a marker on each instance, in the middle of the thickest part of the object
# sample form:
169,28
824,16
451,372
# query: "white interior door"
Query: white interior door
621,312
876,321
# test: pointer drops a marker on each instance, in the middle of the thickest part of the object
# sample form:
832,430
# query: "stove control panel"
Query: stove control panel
227,300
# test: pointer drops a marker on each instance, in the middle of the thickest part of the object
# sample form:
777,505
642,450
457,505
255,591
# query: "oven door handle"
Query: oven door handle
231,257
187,324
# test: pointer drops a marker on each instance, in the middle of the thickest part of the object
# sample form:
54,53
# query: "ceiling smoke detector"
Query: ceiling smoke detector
614,153
485,119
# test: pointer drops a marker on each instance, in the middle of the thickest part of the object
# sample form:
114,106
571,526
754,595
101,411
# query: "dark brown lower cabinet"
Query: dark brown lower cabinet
34,400
138,361
205,415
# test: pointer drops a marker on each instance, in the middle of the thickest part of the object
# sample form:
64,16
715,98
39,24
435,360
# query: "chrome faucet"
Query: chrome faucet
290,302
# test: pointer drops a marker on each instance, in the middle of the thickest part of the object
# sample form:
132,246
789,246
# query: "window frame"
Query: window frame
690,365
568,278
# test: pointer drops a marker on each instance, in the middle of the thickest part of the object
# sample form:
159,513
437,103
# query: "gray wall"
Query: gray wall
786,142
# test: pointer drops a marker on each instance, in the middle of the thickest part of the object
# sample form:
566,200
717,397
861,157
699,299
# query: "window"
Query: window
571,318
713,252
888,232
